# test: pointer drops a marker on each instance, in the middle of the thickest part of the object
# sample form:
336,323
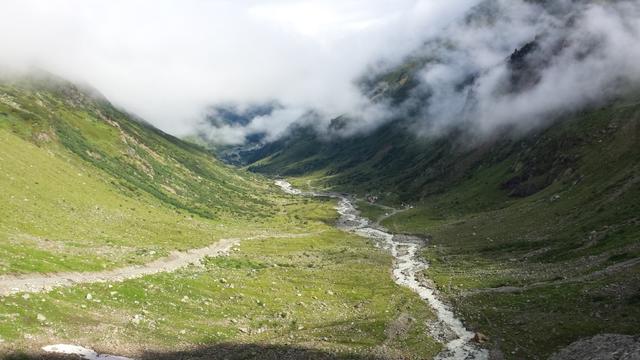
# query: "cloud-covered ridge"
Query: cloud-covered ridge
172,62
169,61
567,57
507,64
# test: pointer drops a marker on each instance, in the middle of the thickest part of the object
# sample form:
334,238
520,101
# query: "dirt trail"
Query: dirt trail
408,266
176,260
10,284
33,283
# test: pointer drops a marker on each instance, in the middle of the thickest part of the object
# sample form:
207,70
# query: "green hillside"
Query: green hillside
534,237
87,187
80,175
556,220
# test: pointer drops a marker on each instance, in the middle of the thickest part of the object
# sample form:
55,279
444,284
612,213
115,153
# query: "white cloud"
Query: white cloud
168,60
587,55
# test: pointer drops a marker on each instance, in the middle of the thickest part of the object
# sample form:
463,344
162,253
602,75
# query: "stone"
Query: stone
137,319
480,338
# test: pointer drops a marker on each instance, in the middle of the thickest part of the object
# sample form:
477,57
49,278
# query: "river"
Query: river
408,265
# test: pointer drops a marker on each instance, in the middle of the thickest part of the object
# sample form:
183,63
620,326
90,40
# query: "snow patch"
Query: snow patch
83,352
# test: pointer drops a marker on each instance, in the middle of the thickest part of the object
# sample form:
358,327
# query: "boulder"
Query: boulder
480,338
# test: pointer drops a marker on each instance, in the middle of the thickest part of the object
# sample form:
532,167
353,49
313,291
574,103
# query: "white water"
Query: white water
407,266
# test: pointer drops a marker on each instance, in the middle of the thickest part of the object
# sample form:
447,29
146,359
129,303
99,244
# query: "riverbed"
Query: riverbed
408,269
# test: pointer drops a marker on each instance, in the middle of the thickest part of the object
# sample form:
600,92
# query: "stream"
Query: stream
408,265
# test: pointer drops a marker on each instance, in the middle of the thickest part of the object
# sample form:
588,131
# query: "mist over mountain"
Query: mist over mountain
170,61
320,179
569,55
513,65
320,60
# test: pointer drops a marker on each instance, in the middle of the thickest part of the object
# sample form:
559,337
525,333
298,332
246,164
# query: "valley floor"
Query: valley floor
112,237
459,342
319,293
316,293
530,298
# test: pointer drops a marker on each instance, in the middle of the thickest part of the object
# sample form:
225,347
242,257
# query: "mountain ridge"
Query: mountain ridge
531,228
130,241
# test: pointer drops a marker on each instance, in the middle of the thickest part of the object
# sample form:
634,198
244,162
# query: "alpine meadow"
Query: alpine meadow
379,180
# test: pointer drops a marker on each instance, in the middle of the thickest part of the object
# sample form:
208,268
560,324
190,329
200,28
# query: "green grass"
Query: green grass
329,291
86,188
555,204
584,221
533,323
371,211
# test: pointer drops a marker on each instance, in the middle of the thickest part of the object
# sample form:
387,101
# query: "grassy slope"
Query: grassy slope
556,204
85,188
326,291
586,220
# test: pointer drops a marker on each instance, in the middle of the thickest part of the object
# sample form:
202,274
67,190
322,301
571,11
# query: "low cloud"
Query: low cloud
169,61
505,65
570,56
173,62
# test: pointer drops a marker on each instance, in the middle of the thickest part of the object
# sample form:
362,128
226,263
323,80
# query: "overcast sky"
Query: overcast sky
168,60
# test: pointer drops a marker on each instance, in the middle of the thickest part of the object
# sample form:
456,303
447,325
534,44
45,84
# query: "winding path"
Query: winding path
407,267
32,283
